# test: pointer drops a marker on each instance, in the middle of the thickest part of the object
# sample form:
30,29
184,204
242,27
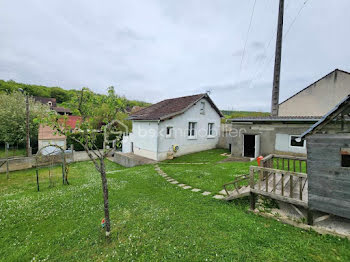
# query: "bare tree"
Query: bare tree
88,128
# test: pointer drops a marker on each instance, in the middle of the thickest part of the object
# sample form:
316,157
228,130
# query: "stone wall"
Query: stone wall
21,163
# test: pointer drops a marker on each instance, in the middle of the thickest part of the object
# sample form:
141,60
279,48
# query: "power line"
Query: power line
264,56
295,18
246,40
258,75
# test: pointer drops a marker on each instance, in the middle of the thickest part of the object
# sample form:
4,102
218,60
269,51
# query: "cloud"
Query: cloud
257,45
160,49
238,53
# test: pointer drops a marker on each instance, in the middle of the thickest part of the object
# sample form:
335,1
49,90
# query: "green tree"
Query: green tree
60,94
13,117
97,116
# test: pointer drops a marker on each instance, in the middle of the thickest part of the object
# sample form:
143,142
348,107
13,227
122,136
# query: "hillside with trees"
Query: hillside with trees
12,103
63,97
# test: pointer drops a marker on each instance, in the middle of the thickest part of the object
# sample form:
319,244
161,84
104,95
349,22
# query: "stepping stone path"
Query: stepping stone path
220,195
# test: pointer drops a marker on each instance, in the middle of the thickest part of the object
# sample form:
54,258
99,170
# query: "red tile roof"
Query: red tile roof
47,133
72,121
171,107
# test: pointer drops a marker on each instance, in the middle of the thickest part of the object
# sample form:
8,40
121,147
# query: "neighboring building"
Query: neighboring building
47,136
318,98
62,110
51,102
174,127
251,137
255,136
328,162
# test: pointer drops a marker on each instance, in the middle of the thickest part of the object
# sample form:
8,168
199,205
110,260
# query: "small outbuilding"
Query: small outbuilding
328,162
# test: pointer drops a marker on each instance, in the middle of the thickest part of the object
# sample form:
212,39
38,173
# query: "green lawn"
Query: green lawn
209,156
211,175
12,152
152,220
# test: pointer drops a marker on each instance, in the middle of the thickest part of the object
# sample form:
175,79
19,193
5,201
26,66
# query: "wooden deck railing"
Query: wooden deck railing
279,184
289,163
236,183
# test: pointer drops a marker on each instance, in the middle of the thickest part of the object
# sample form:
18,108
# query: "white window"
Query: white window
192,129
296,141
202,108
169,132
210,129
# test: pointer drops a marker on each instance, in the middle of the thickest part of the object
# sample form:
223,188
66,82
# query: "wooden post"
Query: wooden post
37,178
7,160
72,148
252,185
310,217
294,168
28,148
251,179
252,201
301,188
63,166
291,186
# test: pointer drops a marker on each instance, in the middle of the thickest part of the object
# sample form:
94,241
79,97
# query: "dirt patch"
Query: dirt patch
235,159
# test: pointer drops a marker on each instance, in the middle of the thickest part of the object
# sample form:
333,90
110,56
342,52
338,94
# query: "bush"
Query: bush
98,142
79,147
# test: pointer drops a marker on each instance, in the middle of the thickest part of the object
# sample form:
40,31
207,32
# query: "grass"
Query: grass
210,176
238,114
152,220
13,152
209,156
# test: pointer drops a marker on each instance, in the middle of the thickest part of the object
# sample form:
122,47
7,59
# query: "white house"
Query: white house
174,127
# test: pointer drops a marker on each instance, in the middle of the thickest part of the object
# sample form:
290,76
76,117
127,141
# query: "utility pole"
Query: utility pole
278,57
28,148
29,153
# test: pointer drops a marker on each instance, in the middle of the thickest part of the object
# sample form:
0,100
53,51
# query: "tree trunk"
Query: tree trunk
105,196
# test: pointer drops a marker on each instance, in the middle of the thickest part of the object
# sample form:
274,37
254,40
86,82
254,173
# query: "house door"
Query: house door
251,146
257,146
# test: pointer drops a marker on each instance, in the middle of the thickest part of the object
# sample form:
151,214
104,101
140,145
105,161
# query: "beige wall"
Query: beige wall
319,98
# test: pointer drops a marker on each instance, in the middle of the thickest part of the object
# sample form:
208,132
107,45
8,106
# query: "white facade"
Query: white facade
284,144
319,98
48,149
151,139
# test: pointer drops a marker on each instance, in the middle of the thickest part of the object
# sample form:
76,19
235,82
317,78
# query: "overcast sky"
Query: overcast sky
156,49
